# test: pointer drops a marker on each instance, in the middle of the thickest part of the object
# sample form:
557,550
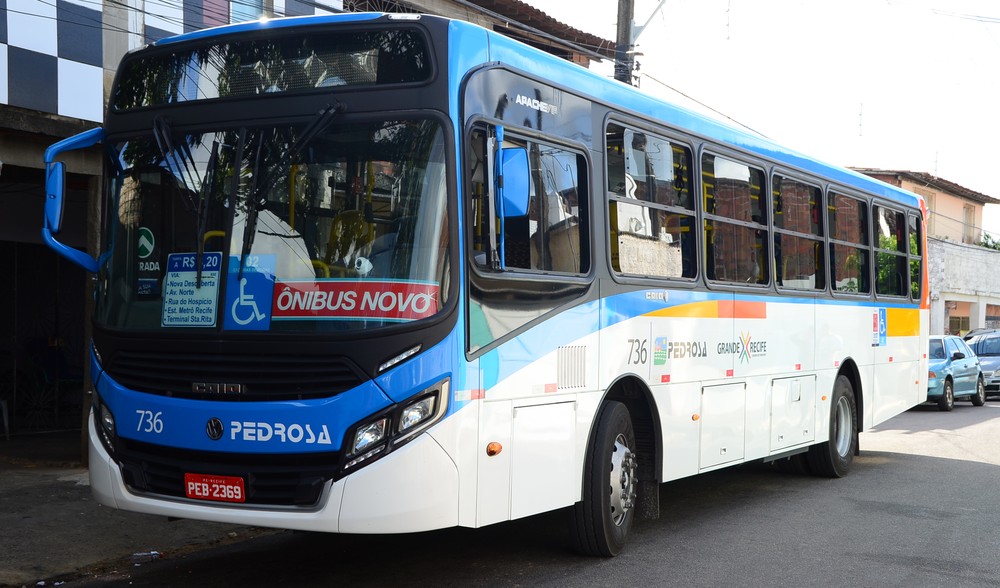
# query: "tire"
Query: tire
833,458
947,400
603,519
979,398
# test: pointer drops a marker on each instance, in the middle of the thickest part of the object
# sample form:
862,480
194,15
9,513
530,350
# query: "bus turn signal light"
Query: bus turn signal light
493,448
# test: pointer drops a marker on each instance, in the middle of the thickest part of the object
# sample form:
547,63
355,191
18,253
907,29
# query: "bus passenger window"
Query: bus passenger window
798,231
736,222
892,271
551,236
650,206
847,222
916,253
551,232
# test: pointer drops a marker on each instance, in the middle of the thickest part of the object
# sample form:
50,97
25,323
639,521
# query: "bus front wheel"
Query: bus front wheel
833,459
603,518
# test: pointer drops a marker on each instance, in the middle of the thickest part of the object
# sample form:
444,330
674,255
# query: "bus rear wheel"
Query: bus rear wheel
603,519
833,459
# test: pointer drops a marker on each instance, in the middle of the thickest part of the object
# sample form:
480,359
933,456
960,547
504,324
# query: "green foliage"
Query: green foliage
989,241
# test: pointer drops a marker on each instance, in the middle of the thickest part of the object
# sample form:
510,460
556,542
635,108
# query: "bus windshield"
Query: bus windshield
322,227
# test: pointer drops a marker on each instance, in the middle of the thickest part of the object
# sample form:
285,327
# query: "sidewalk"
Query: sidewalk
50,527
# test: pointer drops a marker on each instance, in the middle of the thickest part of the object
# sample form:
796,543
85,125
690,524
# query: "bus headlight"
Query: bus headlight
370,435
388,430
104,423
107,420
416,413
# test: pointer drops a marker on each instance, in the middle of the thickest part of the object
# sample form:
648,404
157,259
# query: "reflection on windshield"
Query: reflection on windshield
264,229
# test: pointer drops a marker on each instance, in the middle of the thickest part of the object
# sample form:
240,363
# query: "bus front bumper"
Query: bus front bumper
414,488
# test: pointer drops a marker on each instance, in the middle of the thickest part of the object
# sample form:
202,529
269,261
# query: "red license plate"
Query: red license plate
221,488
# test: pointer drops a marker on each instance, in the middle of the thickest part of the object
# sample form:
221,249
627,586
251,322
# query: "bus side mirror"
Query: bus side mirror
55,189
55,184
514,177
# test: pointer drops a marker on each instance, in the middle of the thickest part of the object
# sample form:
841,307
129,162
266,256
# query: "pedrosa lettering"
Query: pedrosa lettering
537,104
263,432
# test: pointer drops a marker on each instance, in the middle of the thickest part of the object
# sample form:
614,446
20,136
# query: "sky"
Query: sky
893,84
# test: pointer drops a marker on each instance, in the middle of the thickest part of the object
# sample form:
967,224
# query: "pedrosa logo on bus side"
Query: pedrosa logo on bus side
255,431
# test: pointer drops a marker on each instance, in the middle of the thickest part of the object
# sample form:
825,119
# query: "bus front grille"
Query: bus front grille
295,480
237,377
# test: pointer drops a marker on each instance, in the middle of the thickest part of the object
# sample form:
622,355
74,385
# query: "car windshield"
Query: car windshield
320,227
937,349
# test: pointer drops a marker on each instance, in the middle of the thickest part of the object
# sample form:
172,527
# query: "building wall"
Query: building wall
964,276
948,219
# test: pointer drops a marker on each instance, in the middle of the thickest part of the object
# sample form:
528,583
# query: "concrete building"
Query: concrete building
59,60
964,283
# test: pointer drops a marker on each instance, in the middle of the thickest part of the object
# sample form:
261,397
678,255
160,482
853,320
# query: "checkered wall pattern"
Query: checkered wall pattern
51,53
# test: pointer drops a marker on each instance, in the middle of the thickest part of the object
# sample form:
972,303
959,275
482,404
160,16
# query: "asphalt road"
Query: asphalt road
918,509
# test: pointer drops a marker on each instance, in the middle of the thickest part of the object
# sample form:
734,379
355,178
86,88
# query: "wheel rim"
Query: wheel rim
623,482
980,391
843,433
949,395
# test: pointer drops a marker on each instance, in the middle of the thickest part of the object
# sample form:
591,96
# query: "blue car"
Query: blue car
953,372
987,348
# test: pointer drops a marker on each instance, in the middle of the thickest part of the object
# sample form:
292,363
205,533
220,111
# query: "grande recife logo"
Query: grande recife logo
350,299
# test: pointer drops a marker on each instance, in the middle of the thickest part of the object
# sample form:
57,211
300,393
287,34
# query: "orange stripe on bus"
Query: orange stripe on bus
716,309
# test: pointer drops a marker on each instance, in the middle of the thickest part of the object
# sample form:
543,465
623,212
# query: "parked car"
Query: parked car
975,332
987,348
954,372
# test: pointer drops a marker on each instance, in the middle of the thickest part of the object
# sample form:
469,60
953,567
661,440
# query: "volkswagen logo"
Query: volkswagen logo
214,429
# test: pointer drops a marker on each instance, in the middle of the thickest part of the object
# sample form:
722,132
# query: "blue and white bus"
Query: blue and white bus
371,273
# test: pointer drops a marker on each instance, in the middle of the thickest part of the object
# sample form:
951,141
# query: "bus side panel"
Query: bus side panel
843,332
679,406
538,402
771,339
897,360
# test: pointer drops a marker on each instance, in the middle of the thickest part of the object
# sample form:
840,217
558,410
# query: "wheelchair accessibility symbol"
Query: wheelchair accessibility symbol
245,306
248,296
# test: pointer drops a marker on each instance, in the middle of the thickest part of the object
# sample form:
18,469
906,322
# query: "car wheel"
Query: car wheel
979,398
947,400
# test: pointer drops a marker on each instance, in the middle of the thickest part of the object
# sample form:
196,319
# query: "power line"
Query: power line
703,105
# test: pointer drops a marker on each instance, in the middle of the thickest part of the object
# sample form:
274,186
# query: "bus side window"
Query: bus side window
478,209
548,238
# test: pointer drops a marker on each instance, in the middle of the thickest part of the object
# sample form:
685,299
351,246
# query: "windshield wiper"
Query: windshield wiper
176,159
181,163
257,199
204,203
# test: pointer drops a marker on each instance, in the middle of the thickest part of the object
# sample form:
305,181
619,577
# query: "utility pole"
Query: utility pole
628,34
624,43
